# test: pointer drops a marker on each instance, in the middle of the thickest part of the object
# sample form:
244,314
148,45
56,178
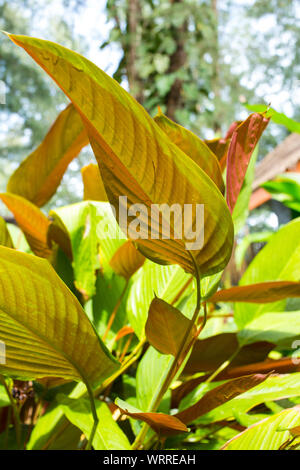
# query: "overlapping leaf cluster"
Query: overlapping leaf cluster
107,328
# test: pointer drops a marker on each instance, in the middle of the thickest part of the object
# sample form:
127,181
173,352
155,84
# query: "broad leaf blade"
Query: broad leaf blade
39,175
166,327
219,395
127,260
243,143
263,292
266,434
137,160
31,221
108,434
43,326
194,147
159,422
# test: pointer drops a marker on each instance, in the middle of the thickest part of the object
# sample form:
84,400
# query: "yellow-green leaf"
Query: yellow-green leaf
194,147
39,175
93,187
166,327
44,328
266,434
5,238
138,160
31,221
127,260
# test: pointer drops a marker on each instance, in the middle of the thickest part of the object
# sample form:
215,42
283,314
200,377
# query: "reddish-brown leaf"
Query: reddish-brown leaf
219,395
243,142
166,327
127,260
262,292
161,423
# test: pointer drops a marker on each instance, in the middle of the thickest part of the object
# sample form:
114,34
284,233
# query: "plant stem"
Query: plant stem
178,360
114,312
222,367
94,413
127,363
15,411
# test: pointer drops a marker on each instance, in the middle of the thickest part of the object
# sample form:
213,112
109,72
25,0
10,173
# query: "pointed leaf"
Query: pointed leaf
159,422
273,388
166,327
5,238
263,292
31,221
137,160
219,395
194,147
266,434
39,175
92,183
167,282
127,260
33,303
243,142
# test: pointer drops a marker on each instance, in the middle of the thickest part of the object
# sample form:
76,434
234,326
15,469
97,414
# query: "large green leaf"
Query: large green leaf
108,435
91,227
151,373
268,434
273,327
164,281
137,160
80,222
43,326
279,260
39,175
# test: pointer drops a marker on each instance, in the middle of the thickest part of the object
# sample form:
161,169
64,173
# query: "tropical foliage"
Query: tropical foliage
116,342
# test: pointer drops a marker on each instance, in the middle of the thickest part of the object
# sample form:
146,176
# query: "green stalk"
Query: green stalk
179,358
94,413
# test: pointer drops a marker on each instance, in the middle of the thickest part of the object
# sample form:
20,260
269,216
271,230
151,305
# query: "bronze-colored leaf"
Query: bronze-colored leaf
159,422
166,327
219,395
262,292
127,260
